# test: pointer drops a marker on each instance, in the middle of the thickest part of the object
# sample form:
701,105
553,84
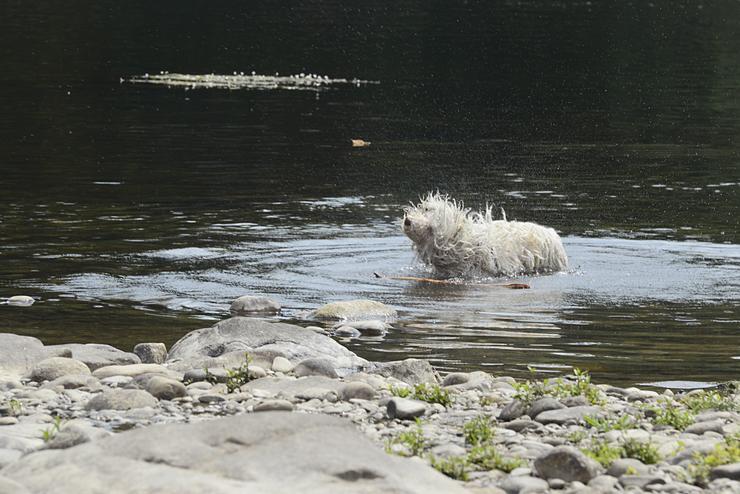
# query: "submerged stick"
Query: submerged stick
512,286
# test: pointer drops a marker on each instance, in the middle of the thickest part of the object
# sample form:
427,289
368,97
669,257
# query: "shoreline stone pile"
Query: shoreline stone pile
274,407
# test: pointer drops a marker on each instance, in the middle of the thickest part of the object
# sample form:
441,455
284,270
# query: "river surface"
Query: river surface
137,212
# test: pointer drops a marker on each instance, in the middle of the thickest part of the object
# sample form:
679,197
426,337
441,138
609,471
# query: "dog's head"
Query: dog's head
435,220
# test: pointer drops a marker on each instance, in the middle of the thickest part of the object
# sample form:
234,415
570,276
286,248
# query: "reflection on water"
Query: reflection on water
136,212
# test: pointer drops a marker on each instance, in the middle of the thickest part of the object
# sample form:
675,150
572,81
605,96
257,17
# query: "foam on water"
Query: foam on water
240,80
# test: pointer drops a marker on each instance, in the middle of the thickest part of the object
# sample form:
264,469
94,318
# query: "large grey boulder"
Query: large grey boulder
563,415
165,388
56,367
354,310
411,371
18,354
151,353
95,355
274,452
121,399
250,304
244,334
566,463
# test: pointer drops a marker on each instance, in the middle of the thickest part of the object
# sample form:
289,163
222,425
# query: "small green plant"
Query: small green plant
239,376
15,407
607,424
576,436
487,401
724,453
530,390
400,391
488,458
478,431
432,393
50,432
710,400
603,452
668,414
412,438
577,385
645,452
456,467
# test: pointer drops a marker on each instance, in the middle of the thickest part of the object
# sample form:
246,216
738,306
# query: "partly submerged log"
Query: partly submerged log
513,286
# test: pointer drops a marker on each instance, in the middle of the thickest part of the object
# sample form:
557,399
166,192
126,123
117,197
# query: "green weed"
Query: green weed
724,453
412,438
488,458
668,414
610,424
50,432
479,430
456,467
645,452
710,400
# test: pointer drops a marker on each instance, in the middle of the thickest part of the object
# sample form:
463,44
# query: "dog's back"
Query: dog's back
515,247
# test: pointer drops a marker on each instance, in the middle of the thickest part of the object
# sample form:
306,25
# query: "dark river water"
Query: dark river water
136,212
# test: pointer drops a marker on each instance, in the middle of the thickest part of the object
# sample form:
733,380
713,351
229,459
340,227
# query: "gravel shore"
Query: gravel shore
273,407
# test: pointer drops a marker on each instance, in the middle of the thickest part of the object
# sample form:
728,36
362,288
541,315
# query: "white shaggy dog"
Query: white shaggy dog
459,242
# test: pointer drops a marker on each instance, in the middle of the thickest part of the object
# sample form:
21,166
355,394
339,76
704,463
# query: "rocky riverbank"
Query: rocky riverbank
260,406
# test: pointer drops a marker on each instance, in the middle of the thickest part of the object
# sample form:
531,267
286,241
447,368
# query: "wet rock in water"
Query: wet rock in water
165,388
56,367
151,353
566,463
315,367
568,414
354,310
121,399
543,405
515,484
411,371
274,406
250,304
513,410
281,364
244,334
356,390
347,332
405,409
20,301
262,452
367,328
96,356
